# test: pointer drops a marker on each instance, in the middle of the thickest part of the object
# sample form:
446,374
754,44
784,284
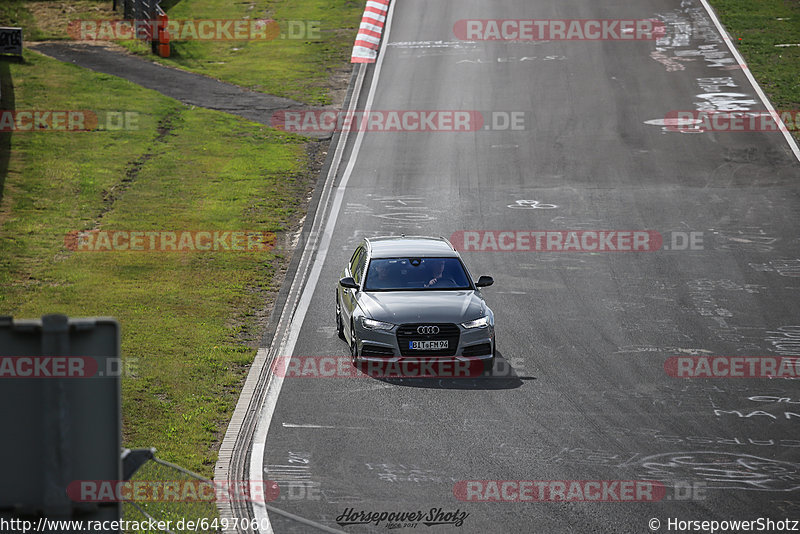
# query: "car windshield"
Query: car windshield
409,274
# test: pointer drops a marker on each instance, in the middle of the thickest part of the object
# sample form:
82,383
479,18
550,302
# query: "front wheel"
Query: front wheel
488,365
354,347
339,323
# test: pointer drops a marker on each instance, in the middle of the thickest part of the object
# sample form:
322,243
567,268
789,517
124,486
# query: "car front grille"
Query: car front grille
478,350
374,350
408,332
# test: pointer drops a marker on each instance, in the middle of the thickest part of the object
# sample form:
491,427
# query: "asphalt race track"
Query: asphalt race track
581,391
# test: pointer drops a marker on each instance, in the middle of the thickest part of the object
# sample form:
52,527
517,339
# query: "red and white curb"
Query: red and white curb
365,49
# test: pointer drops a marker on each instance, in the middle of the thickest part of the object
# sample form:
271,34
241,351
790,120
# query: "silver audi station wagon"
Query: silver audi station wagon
412,297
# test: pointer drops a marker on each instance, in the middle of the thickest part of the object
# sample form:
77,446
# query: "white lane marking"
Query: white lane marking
433,44
276,379
372,388
673,122
287,347
753,82
295,425
256,460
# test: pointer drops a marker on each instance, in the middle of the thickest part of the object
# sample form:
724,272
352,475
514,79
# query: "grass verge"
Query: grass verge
299,68
757,27
188,320
47,19
293,68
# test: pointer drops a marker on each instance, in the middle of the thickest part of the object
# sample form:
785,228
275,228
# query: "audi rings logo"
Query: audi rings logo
427,330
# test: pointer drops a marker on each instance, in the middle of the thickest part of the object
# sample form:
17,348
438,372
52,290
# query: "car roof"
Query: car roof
410,247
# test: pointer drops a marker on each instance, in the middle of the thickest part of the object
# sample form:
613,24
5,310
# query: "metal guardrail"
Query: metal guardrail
197,508
149,10
140,9
154,470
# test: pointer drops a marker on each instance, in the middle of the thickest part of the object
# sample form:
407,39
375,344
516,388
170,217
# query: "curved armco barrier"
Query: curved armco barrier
365,49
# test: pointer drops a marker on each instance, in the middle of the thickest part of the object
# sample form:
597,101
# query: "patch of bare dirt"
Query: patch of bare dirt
337,85
52,18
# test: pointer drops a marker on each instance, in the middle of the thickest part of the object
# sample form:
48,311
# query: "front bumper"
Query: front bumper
384,345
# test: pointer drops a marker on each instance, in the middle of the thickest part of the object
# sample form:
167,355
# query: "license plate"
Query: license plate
427,345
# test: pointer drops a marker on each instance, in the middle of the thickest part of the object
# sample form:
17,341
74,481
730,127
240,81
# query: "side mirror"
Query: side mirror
348,282
484,281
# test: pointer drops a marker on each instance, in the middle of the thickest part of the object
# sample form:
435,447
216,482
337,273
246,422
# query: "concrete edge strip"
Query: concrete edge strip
290,315
727,38
292,331
233,455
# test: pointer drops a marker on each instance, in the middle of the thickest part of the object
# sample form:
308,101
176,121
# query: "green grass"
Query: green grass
756,27
51,20
292,68
187,318
190,321
16,13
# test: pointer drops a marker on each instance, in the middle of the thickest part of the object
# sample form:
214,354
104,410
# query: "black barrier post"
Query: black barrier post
61,422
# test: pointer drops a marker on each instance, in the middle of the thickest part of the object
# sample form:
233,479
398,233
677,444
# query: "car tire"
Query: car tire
354,347
488,365
339,323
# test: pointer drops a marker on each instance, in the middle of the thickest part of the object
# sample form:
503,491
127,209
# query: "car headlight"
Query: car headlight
372,324
477,323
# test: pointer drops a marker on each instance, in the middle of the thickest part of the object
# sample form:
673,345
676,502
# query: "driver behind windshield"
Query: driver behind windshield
400,274
379,276
437,270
